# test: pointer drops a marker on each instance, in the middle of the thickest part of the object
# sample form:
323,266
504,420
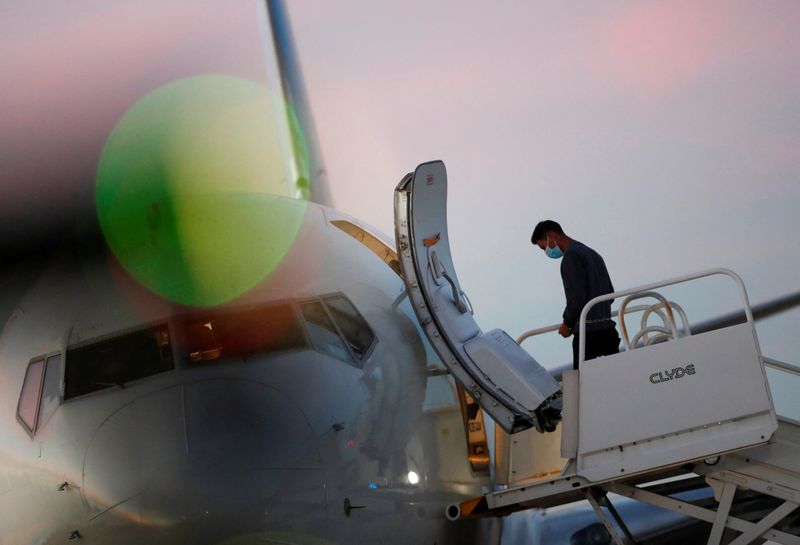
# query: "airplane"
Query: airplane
191,362
152,393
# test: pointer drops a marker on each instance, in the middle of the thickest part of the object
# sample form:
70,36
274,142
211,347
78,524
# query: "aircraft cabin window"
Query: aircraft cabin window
29,397
323,333
239,334
355,329
117,361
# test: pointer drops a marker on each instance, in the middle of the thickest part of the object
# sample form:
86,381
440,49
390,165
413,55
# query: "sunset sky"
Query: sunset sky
665,134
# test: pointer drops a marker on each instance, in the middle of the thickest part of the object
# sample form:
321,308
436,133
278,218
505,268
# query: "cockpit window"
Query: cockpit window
117,361
335,327
41,392
356,332
51,390
29,398
323,333
242,333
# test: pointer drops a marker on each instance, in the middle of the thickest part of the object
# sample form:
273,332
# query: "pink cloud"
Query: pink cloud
73,72
657,48
111,54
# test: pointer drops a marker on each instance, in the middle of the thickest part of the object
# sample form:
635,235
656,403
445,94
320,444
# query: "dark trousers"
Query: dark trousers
603,342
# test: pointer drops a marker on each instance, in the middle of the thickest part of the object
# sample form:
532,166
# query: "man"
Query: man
585,277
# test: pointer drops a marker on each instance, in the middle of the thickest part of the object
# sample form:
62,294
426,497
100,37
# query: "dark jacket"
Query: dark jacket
585,277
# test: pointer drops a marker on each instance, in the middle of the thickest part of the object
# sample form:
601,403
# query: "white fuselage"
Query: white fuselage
292,446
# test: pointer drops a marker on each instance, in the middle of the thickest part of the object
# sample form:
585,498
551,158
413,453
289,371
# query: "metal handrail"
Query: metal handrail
781,365
649,287
687,329
547,329
662,303
538,331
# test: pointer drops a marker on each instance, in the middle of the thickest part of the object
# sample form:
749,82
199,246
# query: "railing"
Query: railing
784,378
664,309
784,384
557,371
554,327
649,288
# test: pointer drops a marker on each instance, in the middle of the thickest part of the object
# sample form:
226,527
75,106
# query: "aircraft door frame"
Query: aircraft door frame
502,377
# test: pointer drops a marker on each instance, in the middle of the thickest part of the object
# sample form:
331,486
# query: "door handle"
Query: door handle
440,272
457,298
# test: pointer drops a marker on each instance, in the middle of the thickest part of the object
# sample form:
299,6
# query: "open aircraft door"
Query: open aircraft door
503,378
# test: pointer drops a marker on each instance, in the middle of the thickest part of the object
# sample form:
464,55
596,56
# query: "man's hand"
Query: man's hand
564,331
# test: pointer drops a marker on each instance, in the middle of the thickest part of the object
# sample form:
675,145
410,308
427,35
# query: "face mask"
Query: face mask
554,252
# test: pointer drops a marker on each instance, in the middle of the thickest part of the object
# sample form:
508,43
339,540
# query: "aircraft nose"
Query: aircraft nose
206,456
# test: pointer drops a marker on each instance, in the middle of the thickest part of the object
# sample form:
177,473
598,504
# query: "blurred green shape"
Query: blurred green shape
197,188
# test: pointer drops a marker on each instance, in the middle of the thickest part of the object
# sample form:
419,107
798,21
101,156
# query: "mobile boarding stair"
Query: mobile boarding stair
671,409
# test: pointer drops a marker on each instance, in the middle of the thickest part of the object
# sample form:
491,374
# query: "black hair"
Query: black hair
541,229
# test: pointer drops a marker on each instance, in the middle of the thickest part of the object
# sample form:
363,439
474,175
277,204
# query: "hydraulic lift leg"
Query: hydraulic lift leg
766,523
721,518
598,499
